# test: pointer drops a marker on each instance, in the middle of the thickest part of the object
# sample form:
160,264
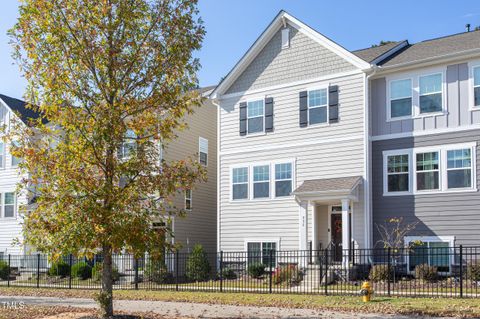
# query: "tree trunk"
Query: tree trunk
107,283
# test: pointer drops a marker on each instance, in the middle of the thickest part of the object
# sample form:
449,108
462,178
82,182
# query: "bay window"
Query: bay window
427,171
317,106
430,89
400,98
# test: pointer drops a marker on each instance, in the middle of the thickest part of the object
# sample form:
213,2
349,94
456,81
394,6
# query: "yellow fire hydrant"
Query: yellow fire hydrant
366,291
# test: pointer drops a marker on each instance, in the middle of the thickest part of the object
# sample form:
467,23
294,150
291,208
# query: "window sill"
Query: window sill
255,134
317,125
433,192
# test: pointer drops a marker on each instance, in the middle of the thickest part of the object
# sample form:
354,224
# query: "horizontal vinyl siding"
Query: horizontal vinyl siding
453,214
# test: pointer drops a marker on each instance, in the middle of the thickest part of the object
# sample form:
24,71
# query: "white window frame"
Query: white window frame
202,143
472,165
415,77
443,179
442,92
387,154
250,166
122,156
275,180
275,240
263,116
389,95
471,86
440,169
3,156
2,213
428,239
269,181
318,88
187,198
12,157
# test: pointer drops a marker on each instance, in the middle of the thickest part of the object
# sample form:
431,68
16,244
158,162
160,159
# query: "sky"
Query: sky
233,25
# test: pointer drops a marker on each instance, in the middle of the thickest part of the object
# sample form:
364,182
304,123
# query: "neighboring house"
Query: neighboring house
317,144
199,139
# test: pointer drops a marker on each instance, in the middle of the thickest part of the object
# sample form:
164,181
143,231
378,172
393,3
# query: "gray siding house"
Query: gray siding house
318,144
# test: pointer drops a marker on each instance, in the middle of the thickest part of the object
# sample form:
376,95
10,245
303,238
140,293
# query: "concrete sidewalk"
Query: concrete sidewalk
194,310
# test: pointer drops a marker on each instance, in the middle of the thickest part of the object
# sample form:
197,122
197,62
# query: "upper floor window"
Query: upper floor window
427,171
476,86
401,98
188,199
255,116
240,183
8,204
459,168
203,150
317,106
129,145
430,90
261,181
283,179
2,155
15,160
397,173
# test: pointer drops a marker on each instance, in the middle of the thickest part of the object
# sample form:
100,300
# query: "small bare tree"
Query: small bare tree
393,231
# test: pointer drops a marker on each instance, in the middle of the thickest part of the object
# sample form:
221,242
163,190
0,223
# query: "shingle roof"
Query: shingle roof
370,54
20,107
328,184
435,48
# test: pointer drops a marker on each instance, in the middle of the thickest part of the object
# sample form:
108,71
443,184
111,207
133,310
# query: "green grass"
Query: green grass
467,308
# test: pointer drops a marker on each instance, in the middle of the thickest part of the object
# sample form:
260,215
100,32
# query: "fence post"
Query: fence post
389,269
176,270
38,270
9,271
271,272
70,264
461,271
326,271
221,271
136,273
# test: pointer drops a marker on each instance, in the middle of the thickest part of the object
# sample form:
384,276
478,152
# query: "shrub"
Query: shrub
380,273
425,272
473,271
4,271
156,271
82,270
287,274
97,272
256,270
198,267
59,268
228,273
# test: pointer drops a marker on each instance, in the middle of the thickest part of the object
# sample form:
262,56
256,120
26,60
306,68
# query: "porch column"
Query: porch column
303,225
345,231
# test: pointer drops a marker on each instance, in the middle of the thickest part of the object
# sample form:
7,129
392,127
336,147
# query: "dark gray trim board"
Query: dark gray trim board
446,214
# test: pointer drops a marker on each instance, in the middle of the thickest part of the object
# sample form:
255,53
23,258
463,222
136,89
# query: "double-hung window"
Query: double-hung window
398,173
430,93
203,150
459,168
260,253
188,199
255,116
240,183
2,155
261,181
476,86
317,106
428,169
129,145
283,179
8,204
15,160
400,98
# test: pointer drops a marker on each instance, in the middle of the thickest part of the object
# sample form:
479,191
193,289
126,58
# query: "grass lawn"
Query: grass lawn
467,308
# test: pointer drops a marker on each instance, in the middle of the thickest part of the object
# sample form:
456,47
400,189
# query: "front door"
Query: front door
336,231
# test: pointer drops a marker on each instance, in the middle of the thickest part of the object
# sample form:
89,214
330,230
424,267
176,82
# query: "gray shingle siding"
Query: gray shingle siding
304,59
448,214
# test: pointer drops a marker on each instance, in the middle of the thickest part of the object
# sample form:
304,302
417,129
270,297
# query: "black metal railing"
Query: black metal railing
431,270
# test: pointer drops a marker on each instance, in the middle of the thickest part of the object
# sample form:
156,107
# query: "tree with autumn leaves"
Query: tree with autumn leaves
112,80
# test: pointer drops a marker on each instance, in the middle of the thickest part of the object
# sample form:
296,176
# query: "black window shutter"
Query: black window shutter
333,103
303,96
269,114
243,118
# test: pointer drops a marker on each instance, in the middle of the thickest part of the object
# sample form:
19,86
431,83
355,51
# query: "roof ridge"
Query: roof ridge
379,46
446,36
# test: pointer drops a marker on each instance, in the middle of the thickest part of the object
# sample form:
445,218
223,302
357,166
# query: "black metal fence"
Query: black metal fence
431,270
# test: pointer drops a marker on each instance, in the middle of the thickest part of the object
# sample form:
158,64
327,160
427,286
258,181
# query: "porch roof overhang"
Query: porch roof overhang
329,189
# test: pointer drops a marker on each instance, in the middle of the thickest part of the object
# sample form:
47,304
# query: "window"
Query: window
285,38
283,179
203,150
401,98
240,183
8,205
15,160
430,99
427,171
433,251
476,86
129,145
397,173
255,116
261,181
259,252
459,168
2,155
188,199
317,106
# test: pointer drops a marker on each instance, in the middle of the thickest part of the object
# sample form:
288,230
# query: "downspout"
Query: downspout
215,102
368,163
